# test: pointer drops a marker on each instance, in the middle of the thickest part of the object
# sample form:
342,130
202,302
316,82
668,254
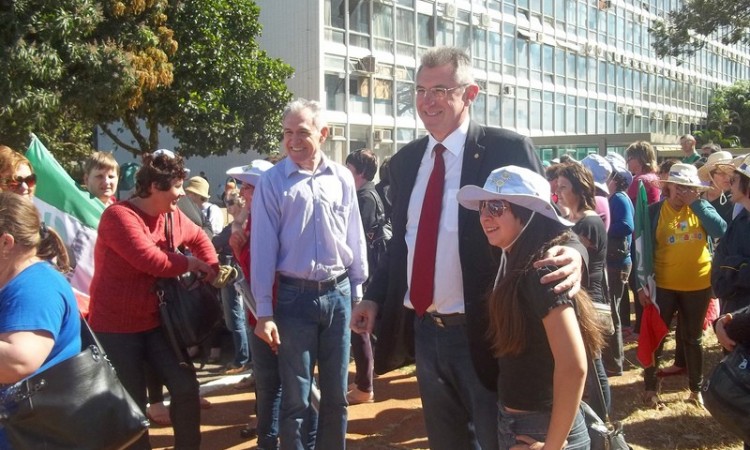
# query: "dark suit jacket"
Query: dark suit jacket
486,149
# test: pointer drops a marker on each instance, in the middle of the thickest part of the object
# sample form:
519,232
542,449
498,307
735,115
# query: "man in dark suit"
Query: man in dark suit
455,368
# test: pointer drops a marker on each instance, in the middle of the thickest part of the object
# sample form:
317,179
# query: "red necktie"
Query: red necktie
423,267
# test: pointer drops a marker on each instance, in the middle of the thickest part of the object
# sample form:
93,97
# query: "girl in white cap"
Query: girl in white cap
532,329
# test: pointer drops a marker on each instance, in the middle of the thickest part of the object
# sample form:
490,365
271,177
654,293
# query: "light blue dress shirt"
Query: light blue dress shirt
305,225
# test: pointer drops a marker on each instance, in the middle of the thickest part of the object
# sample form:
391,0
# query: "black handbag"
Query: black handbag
76,404
604,434
726,393
189,308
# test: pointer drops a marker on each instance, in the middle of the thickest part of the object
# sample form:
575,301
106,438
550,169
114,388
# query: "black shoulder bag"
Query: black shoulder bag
604,434
77,404
189,307
727,392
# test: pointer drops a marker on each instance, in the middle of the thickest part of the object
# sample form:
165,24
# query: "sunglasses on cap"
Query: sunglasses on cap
495,208
15,182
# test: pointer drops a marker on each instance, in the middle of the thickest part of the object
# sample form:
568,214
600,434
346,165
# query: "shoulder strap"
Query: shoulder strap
598,395
168,232
379,210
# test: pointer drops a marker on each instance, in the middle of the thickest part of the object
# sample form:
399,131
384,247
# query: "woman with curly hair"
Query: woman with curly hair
131,253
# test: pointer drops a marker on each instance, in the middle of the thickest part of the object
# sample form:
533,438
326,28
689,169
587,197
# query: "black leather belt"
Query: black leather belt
447,320
319,287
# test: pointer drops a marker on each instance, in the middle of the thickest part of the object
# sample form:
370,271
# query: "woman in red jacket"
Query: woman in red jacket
131,253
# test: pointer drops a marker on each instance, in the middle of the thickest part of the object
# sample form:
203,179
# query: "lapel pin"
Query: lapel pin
476,155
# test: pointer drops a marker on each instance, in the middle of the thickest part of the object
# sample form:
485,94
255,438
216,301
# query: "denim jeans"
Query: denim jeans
535,425
234,318
692,306
313,328
591,384
459,412
613,354
267,392
129,352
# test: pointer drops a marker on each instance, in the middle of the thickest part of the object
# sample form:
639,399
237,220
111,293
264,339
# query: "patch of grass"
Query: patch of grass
680,425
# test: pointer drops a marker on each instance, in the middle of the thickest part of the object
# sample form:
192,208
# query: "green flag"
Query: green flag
644,245
69,210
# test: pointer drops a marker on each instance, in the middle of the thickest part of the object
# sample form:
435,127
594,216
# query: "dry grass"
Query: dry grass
678,426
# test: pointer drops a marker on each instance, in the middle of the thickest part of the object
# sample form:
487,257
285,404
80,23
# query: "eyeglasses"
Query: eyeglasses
15,182
495,208
230,202
685,189
438,93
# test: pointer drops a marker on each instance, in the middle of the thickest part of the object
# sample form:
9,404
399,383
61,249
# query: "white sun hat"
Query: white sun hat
740,164
619,166
721,157
600,168
685,175
517,185
250,173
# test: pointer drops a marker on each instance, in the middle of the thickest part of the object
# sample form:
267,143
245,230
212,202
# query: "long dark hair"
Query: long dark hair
508,324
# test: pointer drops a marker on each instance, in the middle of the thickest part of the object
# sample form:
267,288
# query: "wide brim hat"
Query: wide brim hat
740,164
721,157
250,173
620,166
198,186
684,175
516,185
600,168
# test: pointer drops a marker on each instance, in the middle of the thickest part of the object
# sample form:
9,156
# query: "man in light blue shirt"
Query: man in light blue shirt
307,229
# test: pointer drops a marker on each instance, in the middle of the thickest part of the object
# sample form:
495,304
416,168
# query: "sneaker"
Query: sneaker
355,397
696,398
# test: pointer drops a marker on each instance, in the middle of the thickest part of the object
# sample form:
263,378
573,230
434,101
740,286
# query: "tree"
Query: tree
728,111
684,31
190,67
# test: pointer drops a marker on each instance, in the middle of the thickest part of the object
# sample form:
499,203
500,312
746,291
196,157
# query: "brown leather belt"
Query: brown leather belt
319,287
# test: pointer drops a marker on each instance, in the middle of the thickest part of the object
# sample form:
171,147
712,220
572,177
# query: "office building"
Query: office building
575,75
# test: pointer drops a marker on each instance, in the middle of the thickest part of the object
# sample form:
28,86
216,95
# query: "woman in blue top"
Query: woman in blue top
39,319
532,329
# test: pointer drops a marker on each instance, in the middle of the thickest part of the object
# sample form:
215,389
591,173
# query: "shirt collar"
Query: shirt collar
455,141
290,167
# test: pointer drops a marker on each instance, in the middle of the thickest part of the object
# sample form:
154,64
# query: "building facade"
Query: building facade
575,75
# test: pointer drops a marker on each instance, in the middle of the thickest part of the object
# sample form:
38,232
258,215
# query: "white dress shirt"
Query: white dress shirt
449,291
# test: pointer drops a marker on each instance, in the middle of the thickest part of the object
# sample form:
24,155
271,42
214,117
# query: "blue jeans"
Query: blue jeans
267,392
128,353
234,318
313,328
459,412
613,354
535,425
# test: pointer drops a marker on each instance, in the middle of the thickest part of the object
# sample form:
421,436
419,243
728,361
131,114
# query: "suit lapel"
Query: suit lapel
473,157
412,161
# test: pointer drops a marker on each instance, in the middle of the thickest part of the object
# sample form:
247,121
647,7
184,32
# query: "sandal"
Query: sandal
158,414
652,400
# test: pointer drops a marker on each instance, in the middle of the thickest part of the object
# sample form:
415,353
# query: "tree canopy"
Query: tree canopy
193,68
728,111
682,32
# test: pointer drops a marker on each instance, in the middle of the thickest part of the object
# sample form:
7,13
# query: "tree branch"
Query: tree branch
119,142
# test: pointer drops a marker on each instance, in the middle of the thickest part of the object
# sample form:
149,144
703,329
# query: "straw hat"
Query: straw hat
198,186
740,165
600,168
250,173
721,157
685,175
516,185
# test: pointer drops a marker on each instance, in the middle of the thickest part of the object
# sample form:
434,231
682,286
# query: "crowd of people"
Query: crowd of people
470,259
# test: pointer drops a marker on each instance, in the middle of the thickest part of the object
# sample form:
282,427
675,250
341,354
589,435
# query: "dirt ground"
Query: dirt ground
394,420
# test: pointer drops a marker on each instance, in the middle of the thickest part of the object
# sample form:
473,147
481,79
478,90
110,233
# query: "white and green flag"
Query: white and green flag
70,211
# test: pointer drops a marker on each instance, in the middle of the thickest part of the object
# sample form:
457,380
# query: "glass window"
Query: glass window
479,44
382,26
509,52
359,17
359,94
478,108
509,112
334,90
334,13
425,27
493,110
463,36
383,95
535,61
522,58
560,67
445,31
522,113
405,99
